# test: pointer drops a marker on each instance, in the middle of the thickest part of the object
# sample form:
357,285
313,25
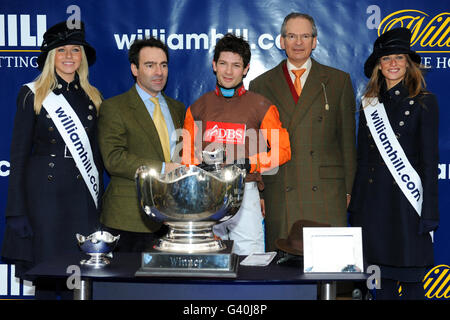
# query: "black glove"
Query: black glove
20,225
207,167
243,164
240,163
427,225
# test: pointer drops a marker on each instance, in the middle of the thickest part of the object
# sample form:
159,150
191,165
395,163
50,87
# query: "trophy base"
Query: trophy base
186,246
223,264
190,237
97,261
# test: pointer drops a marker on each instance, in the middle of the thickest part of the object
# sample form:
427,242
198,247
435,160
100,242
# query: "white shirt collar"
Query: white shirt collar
145,95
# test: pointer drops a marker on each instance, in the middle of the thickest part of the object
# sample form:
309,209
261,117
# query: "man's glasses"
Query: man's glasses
295,37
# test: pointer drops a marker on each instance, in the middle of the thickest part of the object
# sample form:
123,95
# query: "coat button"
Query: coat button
407,113
411,102
49,177
370,180
397,135
90,117
79,176
372,146
397,92
401,123
59,86
53,141
52,155
91,107
372,169
76,86
48,116
315,188
51,165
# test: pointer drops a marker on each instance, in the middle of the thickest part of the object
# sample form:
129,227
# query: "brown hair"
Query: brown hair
413,80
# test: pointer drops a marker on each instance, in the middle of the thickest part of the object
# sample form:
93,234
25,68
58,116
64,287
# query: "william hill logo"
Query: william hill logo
437,282
20,39
21,31
430,33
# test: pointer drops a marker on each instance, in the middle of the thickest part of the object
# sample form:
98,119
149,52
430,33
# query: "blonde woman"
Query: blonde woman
56,172
395,193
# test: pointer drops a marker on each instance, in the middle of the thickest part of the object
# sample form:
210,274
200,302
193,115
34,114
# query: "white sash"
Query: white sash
392,153
72,131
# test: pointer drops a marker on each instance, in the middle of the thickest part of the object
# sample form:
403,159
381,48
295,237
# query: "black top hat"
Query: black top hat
60,35
294,242
394,41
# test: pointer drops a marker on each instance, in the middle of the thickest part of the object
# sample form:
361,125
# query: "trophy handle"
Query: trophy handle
81,239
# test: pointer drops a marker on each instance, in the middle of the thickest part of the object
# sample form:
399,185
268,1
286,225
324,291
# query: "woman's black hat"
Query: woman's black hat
394,41
60,35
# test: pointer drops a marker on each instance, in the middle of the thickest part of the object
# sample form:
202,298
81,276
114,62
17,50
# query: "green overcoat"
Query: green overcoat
321,126
128,139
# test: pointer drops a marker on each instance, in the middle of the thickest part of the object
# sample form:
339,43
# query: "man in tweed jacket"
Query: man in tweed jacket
129,138
317,182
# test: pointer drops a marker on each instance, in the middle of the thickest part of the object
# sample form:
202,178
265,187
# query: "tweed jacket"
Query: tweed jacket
128,139
321,126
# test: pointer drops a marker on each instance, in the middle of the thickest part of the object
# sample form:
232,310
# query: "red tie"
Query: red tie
297,84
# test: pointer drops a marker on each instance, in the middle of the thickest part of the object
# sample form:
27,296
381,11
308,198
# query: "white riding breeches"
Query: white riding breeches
246,227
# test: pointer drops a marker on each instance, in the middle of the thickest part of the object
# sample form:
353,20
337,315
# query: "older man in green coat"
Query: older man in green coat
317,106
129,136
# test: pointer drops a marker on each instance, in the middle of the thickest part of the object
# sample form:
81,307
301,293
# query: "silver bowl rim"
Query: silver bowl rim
238,172
104,237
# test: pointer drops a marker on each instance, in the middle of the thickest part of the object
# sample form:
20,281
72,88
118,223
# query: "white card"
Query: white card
332,250
258,259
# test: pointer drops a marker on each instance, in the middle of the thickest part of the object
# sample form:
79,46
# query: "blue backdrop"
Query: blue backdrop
346,32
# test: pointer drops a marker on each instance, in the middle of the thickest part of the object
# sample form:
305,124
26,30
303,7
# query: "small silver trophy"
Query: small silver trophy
99,245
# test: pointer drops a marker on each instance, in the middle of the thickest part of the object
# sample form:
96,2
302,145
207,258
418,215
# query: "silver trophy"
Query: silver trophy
98,246
190,201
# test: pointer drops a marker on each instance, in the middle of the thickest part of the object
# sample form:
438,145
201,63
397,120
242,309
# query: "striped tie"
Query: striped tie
161,127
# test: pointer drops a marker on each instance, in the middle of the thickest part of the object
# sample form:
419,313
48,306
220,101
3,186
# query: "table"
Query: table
118,281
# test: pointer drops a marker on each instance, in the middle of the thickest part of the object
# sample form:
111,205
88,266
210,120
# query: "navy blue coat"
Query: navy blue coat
48,201
393,233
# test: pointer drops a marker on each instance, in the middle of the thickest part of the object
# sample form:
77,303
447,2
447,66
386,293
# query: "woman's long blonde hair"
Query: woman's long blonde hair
47,81
413,81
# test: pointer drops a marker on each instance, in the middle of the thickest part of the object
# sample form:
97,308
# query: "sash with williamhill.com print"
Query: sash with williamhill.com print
392,153
72,131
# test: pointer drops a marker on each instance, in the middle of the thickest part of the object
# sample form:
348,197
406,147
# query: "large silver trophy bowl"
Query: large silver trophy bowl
190,201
